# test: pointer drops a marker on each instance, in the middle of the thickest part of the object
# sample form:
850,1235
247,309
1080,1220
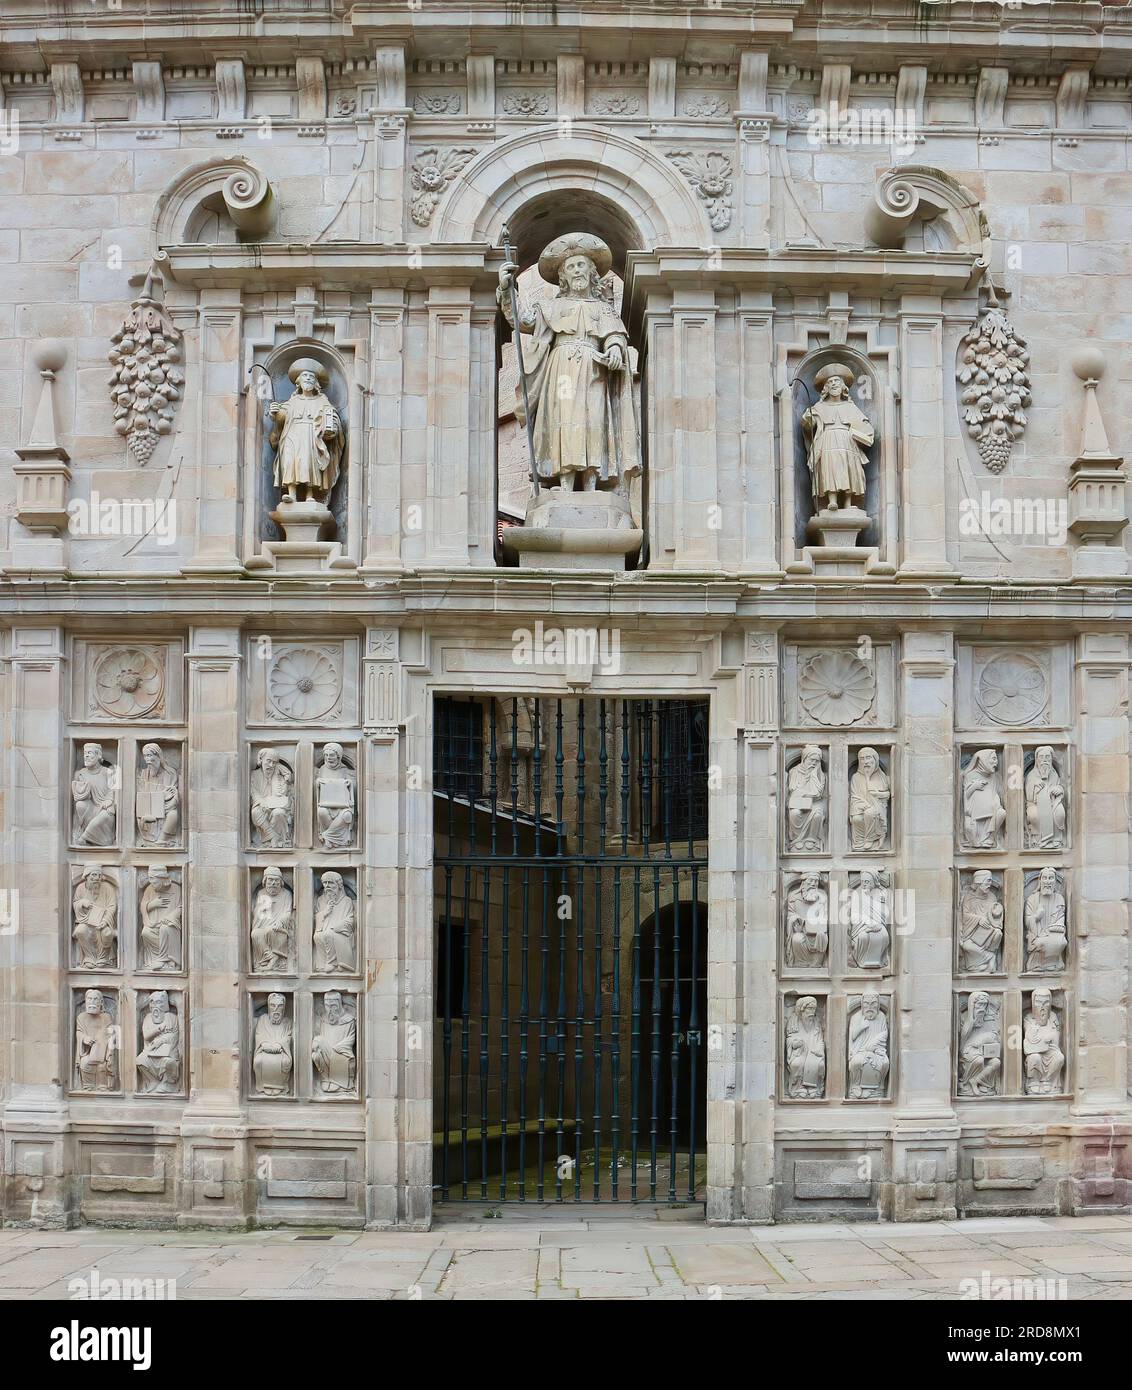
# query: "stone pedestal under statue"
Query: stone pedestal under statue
575,530
834,551
308,528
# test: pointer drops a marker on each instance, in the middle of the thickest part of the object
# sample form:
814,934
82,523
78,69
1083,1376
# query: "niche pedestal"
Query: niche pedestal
575,530
307,546
835,552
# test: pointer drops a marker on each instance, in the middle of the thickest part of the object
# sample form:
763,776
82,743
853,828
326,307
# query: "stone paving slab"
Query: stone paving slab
585,1259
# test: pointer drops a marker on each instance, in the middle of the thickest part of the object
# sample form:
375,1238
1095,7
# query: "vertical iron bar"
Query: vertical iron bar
635,1039
484,1023
505,1032
598,1041
514,775
524,1028
559,760
654,1049
603,780
691,798
580,767
694,1036
646,775
615,1032
674,1080
465,1044
624,776
446,1092
472,788
579,905
664,712
536,759
493,766
560,1034
543,1011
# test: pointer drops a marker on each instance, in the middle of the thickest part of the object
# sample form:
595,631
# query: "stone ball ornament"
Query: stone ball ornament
1088,361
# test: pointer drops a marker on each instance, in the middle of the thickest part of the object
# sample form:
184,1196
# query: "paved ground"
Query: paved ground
539,1253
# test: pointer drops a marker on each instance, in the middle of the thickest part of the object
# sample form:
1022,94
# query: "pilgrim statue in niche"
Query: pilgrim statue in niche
838,434
579,383
307,435
575,396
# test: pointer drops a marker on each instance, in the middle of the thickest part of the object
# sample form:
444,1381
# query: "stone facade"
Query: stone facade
918,954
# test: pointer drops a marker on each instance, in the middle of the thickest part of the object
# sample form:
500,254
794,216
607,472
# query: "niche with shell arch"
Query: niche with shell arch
874,391
344,393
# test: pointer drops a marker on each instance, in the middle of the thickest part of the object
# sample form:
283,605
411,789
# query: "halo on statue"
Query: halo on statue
847,375
574,244
307,364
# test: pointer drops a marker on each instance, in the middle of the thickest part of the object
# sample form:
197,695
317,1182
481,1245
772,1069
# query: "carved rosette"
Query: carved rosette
430,174
996,386
1012,689
710,175
304,684
128,683
146,380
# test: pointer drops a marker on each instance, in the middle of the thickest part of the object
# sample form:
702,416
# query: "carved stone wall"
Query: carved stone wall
217,909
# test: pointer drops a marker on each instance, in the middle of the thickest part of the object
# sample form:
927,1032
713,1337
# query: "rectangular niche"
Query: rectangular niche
127,682
335,921
335,809
1012,686
161,917
1046,937
805,1057
159,794
868,1046
95,918
980,921
272,917
95,801
1046,797
1045,1043
806,799
96,1041
334,1045
981,797
805,927
871,796
979,1042
160,1058
302,683
839,685
869,914
271,1045
273,776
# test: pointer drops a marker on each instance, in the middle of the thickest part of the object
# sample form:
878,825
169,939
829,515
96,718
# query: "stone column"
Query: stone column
392,1049
1101,1136
386,522
217,1185
757,840
758,454
448,436
696,484
33,933
391,120
924,475
218,435
925,1131
754,186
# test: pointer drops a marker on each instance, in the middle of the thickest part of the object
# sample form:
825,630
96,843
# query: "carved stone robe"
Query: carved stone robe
95,806
274,1056
159,1061
1046,935
806,788
96,924
868,1055
95,1049
584,416
306,454
334,1055
868,809
1041,1047
161,927
870,917
272,919
805,1058
1045,810
980,1055
335,934
980,932
839,433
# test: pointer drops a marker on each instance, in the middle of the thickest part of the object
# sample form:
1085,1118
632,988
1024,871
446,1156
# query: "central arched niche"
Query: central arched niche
551,215
531,227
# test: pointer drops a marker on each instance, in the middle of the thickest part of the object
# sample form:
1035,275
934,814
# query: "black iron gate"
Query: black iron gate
571,949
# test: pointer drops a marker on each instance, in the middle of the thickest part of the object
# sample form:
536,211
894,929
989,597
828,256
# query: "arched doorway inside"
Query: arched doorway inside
670,979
